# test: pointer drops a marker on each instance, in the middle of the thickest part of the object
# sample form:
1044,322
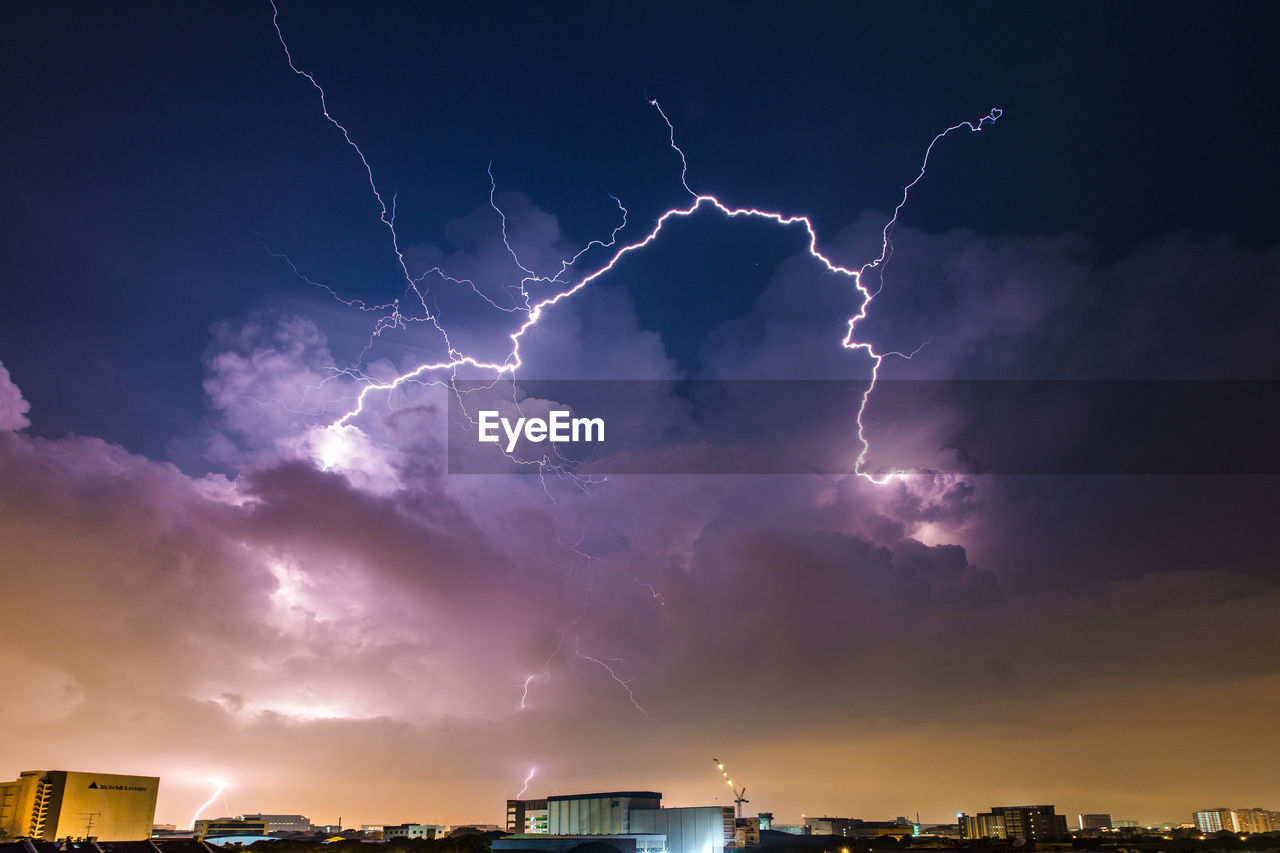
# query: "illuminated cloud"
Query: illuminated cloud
13,409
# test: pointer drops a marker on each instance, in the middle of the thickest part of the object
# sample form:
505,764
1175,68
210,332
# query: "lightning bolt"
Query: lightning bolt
533,311
624,683
518,300
220,787
527,780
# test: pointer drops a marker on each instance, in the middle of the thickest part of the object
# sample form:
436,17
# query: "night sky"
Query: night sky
203,578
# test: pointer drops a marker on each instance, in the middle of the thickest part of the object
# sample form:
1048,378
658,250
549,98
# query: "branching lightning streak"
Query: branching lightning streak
624,683
534,311
564,283
221,786
657,596
542,677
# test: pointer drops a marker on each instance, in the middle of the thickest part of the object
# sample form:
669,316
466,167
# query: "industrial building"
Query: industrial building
628,842
597,814
58,804
696,829
628,821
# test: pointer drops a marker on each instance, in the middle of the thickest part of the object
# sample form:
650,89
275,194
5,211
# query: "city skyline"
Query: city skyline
1025,255
1229,818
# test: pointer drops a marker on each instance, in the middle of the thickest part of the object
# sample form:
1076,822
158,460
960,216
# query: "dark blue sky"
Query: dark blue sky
152,148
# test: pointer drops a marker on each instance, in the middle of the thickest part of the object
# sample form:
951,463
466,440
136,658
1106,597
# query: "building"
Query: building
413,830
842,826
213,827
1214,820
1255,820
597,814
852,827
1093,822
1030,823
789,828
697,829
898,828
1034,823
620,842
282,822
983,825
55,804
746,831
528,817
627,821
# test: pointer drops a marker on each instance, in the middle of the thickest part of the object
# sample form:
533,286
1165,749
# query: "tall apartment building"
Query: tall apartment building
56,804
1214,820
1255,820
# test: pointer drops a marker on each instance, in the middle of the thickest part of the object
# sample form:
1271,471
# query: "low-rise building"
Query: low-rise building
229,826
413,830
852,827
282,822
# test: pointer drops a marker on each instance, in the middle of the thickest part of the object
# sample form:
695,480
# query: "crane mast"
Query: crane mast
739,795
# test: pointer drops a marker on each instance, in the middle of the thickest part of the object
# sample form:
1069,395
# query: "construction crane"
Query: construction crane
739,796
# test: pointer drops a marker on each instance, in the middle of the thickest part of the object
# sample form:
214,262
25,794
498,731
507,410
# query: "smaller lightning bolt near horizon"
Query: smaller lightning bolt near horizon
220,787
